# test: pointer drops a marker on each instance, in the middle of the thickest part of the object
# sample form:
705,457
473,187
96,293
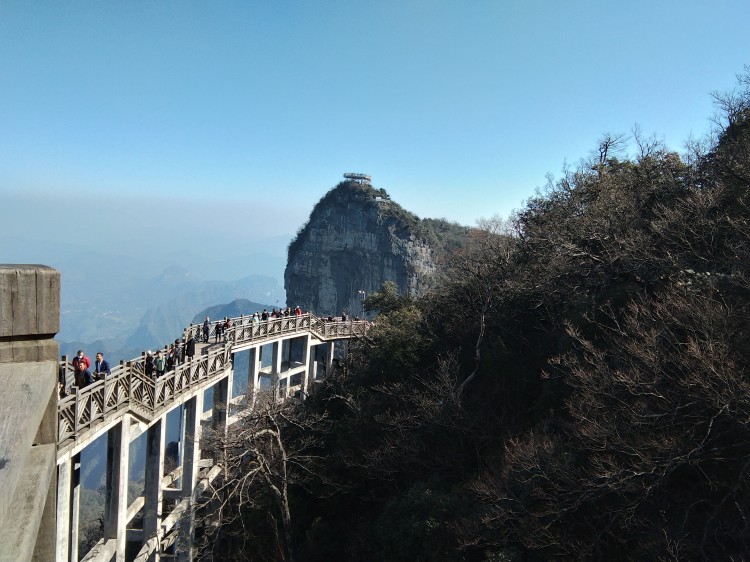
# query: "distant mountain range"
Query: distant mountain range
235,308
153,312
187,298
121,294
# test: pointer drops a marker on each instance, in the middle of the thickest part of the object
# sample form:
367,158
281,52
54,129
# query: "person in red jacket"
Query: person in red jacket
81,365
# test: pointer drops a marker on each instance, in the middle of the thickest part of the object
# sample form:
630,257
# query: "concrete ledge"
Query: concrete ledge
29,351
18,531
26,391
29,300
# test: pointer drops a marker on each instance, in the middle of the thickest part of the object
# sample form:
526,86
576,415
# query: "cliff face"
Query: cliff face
356,239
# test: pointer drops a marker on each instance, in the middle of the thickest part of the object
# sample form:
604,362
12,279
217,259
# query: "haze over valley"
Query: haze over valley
125,303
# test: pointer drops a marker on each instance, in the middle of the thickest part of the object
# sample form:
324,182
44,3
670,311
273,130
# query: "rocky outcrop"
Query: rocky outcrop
356,239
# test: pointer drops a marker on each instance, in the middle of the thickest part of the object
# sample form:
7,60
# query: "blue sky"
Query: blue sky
238,116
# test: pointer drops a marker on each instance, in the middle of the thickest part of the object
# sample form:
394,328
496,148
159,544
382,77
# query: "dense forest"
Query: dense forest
577,389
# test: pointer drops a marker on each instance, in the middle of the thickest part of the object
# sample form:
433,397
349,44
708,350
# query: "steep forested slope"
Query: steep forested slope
578,389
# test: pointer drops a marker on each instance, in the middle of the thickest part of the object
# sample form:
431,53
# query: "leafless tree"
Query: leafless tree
273,447
733,105
480,272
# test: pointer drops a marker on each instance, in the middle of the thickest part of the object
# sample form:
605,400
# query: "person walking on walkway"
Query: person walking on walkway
206,329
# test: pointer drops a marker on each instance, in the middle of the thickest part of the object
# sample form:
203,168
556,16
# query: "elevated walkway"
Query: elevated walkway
129,403
86,413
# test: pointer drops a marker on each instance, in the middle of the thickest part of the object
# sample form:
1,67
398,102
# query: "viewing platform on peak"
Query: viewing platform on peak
359,178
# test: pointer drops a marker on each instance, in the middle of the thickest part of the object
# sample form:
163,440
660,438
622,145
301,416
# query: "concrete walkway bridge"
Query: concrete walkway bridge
43,439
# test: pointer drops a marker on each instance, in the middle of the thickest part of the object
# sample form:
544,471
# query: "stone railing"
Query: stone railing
128,388
337,329
243,330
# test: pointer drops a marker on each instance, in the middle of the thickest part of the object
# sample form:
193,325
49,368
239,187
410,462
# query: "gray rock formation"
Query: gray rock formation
356,239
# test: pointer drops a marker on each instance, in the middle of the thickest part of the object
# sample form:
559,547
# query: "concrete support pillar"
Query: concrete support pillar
230,384
191,456
75,504
252,373
329,356
68,501
276,369
307,362
64,480
276,358
314,363
286,354
222,397
116,499
152,509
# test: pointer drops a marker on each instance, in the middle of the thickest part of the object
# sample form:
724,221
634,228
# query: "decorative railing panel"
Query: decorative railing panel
338,329
116,392
129,388
142,391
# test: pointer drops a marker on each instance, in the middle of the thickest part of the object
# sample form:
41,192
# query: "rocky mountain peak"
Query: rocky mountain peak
357,238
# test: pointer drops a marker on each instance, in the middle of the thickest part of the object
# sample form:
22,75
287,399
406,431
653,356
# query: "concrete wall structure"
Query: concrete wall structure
29,320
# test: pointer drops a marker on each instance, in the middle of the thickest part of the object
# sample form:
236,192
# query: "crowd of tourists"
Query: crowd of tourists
223,326
157,364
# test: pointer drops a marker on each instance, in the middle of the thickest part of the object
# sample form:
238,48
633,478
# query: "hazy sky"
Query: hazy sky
128,123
